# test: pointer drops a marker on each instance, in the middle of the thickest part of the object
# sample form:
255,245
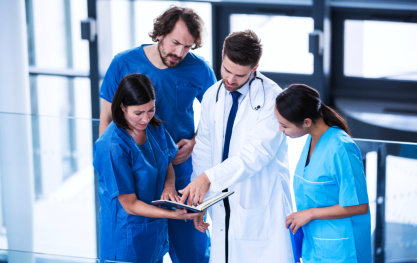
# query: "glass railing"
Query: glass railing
15,256
47,194
48,204
391,171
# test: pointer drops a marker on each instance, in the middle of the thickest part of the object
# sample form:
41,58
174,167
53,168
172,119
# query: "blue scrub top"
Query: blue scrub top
176,90
123,167
334,175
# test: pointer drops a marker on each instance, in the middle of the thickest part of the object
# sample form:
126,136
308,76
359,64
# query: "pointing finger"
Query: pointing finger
185,192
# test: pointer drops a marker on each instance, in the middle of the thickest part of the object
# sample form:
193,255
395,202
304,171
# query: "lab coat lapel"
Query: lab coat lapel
241,111
219,126
245,116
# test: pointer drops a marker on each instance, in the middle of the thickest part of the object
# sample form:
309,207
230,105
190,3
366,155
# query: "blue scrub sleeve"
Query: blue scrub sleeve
350,175
111,81
120,170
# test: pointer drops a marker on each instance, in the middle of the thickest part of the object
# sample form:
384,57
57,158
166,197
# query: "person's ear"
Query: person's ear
307,123
255,68
123,107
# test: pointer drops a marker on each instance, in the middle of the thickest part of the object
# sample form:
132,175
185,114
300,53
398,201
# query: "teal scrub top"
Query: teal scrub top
334,175
124,167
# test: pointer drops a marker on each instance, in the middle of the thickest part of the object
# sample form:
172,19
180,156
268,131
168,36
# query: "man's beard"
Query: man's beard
165,59
235,87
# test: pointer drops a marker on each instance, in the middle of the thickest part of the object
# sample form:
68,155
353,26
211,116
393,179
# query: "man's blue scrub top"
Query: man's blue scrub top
334,175
123,167
176,89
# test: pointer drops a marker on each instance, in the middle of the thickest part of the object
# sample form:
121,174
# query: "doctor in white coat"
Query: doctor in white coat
256,168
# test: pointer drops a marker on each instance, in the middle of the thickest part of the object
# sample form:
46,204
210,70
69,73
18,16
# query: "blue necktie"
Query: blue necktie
230,121
228,135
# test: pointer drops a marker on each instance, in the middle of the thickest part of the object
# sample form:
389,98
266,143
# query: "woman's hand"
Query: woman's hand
298,219
301,218
170,193
183,214
199,223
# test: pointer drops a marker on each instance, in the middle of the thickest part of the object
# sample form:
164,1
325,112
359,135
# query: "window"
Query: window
284,39
56,35
380,49
126,24
60,129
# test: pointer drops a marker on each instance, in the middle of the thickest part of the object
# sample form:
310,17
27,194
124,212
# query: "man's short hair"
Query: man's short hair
243,48
165,23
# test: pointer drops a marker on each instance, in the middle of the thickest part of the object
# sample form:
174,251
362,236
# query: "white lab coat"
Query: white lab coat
257,170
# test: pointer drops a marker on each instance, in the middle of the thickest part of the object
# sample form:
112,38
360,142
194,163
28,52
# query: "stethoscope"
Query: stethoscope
258,107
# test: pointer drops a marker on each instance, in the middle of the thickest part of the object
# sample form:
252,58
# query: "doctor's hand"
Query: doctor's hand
199,223
185,148
196,190
298,219
170,193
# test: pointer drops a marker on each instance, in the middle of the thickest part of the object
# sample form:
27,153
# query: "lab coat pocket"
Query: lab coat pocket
252,224
148,241
334,249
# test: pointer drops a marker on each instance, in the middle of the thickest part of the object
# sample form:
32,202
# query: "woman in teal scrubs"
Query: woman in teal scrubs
329,181
133,163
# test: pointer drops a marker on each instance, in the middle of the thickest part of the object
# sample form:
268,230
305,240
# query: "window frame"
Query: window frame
221,12
376,88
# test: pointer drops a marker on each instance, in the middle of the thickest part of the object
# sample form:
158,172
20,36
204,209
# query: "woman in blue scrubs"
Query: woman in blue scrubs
133,163
329,181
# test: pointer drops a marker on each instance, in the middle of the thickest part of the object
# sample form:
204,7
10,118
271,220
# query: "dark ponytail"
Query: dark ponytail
332,118
299,102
